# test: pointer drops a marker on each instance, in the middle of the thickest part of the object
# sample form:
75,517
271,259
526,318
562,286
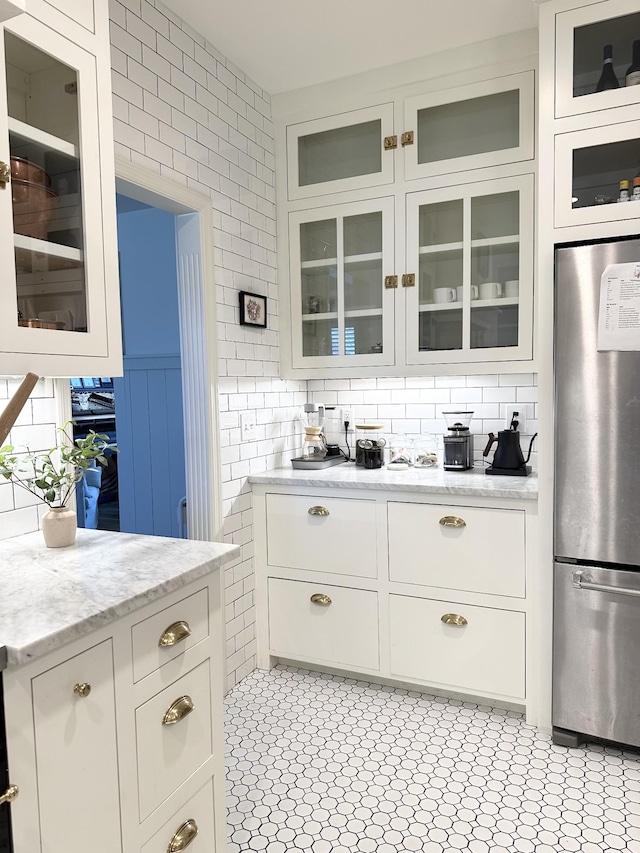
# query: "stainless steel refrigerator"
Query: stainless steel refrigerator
596,644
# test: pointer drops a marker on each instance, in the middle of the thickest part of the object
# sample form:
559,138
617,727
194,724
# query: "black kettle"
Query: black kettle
508,458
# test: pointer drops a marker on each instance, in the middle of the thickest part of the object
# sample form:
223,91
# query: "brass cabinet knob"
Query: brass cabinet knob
82,689
452,521
5,174
318,510
10,794
177,711
321,599
174,634
453,619
183,837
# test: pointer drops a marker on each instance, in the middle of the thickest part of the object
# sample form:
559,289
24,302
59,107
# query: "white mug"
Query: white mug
444,294
512,288
490,290
460,292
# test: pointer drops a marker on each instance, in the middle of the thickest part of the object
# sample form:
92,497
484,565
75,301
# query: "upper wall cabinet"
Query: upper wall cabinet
342,152
469,127
57,213
581,35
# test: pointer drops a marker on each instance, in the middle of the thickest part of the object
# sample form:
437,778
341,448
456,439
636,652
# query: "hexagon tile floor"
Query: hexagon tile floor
332,765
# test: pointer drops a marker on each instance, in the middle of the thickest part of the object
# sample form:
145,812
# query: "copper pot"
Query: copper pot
25,170
33,207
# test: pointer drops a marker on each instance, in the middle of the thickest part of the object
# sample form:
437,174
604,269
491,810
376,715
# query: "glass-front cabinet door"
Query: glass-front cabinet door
51,203
485,124
342,285
341,152
472,252
581,37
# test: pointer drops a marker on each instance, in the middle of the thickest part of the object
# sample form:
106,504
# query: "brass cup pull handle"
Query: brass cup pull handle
177,711
321,599
174,634
82,689
10,794
452,521
454,619
183,837
318,510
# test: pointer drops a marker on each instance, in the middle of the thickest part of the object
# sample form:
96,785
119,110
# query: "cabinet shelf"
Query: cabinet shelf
34,255
33,135
441,248
333,315
509,240
476,303
349,259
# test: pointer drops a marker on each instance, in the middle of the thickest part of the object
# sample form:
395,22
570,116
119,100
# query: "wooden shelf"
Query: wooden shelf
39,137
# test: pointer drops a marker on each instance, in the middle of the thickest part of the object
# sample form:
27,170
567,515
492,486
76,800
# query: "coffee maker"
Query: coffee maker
508,458
458,443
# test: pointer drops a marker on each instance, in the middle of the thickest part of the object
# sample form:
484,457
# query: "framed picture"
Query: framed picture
253,310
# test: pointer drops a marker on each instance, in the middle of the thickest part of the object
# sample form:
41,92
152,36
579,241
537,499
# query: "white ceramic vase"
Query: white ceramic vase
59,527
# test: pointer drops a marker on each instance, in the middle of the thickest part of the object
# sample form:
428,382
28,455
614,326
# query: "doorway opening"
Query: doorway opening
169,368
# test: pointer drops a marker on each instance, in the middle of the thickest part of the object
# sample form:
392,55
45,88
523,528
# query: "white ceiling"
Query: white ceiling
288,44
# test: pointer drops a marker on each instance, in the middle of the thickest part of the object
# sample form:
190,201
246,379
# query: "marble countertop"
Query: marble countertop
50,596
429,481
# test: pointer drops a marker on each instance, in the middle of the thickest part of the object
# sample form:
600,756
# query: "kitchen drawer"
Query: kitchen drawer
342,540
148,655
344,632
486,655
487,554
199,811
169,754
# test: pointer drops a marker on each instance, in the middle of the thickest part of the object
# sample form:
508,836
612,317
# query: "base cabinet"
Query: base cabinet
442,605
116,740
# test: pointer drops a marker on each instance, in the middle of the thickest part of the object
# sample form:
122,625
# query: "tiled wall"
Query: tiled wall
182,110
35,428
414,405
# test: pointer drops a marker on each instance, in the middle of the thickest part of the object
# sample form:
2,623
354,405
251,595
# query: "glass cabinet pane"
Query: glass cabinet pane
598,170
44,137
342,152
440,275
588,44
495,270
469,127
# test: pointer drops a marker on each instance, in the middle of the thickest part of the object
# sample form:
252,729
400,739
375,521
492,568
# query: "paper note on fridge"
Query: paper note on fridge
619,313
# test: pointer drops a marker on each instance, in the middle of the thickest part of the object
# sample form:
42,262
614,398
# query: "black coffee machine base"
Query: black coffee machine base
524,471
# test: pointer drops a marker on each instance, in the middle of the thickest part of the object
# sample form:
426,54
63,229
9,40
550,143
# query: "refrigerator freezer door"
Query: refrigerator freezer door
597,414
596,666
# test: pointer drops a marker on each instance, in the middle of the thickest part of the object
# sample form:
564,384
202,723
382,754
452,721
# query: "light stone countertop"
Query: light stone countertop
51,596
427,481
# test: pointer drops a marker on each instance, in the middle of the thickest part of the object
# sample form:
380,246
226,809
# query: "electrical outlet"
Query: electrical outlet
347,416
248,426
514,414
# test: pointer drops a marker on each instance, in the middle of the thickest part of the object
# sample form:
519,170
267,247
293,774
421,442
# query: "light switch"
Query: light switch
248,426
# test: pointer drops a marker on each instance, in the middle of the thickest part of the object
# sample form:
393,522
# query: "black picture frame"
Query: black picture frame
253,310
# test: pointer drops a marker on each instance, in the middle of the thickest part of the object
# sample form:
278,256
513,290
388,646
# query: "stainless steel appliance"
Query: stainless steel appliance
458,443
596,665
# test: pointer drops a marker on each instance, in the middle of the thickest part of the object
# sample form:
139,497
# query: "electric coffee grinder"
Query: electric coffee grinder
458,442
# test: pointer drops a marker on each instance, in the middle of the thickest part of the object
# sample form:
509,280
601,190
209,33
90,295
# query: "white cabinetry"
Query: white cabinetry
370,228
589,140
439,598
57,211
115,740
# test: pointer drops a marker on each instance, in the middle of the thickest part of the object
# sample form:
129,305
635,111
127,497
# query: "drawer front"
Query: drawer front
486,655
167,634
338,536
486,554
343,632
199,812
169,754
76,753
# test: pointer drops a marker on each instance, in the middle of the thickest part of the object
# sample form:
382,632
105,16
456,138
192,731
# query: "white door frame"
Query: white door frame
198,345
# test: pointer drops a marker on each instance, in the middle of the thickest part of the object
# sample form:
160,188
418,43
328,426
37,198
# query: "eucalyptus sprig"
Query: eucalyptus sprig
52,475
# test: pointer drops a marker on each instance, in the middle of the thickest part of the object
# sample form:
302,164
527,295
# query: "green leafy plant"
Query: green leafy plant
52,475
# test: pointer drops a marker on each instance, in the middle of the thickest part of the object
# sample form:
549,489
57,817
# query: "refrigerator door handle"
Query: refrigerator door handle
582,581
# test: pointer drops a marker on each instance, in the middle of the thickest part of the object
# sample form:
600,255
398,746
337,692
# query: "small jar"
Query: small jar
401,450
367,437
426,452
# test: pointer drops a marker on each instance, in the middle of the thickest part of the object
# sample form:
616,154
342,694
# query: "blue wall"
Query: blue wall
149,416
